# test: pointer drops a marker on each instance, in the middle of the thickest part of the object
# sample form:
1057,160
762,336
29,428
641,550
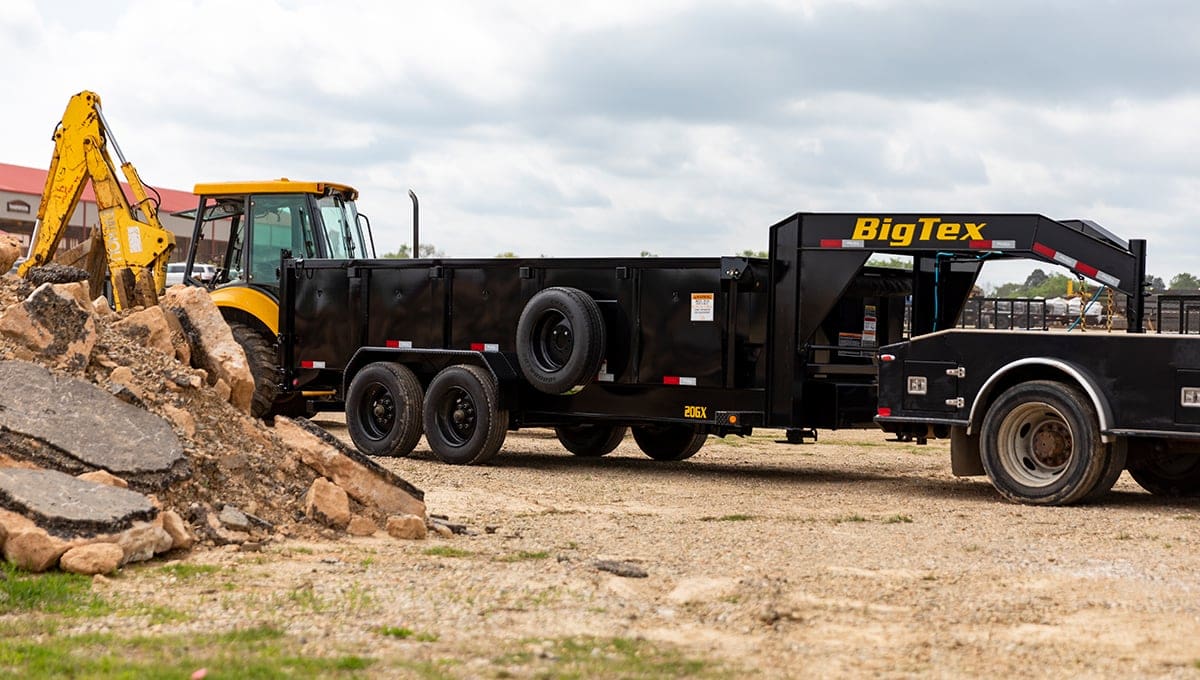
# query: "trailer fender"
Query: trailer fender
427,362
1042,368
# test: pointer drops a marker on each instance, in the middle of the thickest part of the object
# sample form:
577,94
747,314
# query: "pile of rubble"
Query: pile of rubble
124,435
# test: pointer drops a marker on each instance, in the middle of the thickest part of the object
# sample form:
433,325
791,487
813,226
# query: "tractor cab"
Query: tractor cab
243,228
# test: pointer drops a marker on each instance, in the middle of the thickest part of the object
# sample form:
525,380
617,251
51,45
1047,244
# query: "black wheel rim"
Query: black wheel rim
457,418
553,341
378,413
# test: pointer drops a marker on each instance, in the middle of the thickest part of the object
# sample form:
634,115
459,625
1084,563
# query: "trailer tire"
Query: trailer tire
383,409
669,442
560,340
1173,475
1118,455
590,440
1040,444
464,423
260,357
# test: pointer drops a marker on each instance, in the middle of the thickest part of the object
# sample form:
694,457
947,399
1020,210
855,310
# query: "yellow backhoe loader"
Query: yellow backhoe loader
137,250
243,228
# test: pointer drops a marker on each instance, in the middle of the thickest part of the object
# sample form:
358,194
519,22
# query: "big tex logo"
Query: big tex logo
924,229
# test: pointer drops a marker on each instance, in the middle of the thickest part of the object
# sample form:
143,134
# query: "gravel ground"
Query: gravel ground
853,556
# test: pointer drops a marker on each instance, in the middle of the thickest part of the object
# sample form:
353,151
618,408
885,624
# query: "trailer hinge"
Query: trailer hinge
957,402
960,372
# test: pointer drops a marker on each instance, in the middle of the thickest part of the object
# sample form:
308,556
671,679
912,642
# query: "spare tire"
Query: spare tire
560,340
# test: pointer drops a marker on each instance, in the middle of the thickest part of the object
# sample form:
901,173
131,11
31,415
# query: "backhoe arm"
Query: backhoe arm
80,155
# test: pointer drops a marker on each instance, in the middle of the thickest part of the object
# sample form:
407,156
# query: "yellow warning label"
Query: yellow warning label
703,306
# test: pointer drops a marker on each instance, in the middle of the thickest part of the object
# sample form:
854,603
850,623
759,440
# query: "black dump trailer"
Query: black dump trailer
676,349
810,337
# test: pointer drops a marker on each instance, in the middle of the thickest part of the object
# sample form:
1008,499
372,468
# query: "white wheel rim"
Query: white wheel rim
1035,444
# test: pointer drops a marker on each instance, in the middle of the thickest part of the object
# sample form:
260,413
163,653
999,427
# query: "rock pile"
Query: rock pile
126,434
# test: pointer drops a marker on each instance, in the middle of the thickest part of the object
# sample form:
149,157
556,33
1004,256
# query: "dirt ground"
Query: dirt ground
852,556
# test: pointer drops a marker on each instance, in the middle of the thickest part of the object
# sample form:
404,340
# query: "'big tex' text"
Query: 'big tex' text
924,229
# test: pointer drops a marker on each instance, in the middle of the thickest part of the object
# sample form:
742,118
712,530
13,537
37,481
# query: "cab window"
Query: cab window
279,222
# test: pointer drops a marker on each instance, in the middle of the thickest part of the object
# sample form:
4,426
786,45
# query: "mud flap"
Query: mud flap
964,453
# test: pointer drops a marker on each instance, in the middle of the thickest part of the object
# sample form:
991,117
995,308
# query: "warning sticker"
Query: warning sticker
702,306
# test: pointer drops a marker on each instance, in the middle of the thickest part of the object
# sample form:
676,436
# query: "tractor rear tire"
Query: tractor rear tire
261,358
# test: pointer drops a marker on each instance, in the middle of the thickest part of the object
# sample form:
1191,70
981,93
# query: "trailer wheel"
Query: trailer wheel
383,409
668,442
1174,475
1040,444
260,357
560,340
590,440
464,423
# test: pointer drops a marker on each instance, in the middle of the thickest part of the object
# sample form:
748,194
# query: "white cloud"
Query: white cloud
608,128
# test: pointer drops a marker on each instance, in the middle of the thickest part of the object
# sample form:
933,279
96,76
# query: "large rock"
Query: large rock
143,541
327,503
407,527
34,550
149,327
173,524
91,559
74,426
54,321
10,250
361,477
212,343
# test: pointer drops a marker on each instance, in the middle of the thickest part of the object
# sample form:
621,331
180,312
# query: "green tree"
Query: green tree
1036,278
753,253
405,251
647,253
1155,283
506,254
1184,281
890,262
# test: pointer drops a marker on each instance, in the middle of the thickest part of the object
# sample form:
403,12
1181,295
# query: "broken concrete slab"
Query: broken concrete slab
53,322
365,480
66,506
213,347
73,426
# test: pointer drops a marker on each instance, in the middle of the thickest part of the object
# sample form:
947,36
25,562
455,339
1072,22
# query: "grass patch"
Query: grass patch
898,519
525,555
261,652
183,571
588,657
156,614
727,518
849,518
403,633
447,551
52,593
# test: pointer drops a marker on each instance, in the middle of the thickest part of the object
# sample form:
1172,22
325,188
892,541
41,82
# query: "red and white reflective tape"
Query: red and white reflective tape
1085,269
312,364
842,243
992,245
485,347
399,344
679,380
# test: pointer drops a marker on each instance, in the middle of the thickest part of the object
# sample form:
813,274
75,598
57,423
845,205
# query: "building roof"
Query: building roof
19,179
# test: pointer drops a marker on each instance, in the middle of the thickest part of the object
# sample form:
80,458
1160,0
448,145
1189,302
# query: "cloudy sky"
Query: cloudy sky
614,127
